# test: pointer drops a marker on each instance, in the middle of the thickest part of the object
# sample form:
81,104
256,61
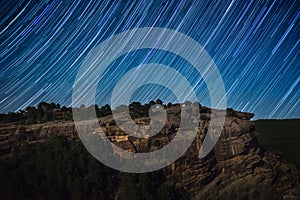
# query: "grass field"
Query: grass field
281,137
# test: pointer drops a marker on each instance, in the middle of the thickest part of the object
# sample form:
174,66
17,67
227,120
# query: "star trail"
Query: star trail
255,44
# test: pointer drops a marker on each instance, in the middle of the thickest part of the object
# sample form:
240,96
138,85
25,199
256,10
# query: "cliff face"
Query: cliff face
236,156
11,136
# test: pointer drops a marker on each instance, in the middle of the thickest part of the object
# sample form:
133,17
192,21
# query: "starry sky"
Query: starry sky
254,43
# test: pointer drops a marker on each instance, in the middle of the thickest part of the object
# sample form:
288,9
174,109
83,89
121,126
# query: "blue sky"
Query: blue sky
255,45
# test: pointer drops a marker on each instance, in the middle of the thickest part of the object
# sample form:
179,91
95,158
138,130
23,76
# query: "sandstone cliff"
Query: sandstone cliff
236,158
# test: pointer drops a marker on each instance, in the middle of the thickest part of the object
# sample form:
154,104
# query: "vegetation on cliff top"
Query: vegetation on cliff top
46,112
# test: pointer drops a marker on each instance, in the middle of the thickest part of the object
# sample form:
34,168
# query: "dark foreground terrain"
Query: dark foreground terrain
281,137
42,158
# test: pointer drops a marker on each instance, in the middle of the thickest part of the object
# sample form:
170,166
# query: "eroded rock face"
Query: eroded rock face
236,156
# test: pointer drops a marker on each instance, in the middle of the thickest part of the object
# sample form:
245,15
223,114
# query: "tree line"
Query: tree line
46,112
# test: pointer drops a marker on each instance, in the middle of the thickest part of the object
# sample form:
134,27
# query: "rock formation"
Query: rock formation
236,157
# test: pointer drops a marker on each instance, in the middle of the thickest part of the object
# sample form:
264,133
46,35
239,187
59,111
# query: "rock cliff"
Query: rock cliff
235,159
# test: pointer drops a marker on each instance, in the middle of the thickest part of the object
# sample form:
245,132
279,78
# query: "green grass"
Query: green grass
281,137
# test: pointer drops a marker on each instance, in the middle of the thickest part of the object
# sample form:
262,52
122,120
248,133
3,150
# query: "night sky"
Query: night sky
255,44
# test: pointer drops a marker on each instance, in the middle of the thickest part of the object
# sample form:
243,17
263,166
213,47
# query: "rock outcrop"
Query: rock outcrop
236,156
